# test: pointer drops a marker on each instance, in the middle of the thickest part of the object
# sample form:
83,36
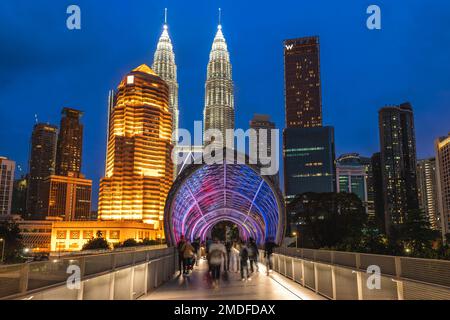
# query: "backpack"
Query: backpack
215,257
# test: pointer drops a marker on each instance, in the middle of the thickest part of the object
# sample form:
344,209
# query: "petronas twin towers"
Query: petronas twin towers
218,112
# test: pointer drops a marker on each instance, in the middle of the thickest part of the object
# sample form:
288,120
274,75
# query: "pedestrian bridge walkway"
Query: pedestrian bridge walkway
150,273
198,286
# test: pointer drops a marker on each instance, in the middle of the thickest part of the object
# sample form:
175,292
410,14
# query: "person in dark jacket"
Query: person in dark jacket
269,246
253,254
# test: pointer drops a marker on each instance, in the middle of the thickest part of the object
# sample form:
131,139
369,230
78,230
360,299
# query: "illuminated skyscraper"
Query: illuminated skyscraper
7,168
263,122
164,65
41,165
442,147
426,190
398,162
139,168
67,197
70,143
219,95
351,176
302,83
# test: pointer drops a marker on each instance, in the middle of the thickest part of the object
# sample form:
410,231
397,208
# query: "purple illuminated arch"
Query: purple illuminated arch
204,195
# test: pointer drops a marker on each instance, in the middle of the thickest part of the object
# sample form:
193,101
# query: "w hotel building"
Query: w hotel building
139,168
308,147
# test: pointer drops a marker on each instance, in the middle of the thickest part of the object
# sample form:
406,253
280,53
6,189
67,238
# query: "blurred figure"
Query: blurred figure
188,256
269,246
216,257
228,248
243,255
180,246
253,254
203,250
234,257
196,245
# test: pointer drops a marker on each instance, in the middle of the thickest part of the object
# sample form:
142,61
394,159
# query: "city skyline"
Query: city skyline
353,139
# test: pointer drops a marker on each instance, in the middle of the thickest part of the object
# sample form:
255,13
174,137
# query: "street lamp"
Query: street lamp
296,238
3,249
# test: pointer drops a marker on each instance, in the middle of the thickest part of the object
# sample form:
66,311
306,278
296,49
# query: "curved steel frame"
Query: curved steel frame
204,195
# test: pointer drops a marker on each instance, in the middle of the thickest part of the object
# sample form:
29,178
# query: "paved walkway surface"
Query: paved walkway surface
198,286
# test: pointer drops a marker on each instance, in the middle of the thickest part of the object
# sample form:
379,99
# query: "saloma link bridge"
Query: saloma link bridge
202,196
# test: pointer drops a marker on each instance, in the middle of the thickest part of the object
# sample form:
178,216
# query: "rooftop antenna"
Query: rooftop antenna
220,16
36,118
165,15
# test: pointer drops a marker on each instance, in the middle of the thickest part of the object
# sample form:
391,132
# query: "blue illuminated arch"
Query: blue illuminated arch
204,195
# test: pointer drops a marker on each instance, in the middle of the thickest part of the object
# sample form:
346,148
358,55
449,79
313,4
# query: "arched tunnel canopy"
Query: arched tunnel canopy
204,195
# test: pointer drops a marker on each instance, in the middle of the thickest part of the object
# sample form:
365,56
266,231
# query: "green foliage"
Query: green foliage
129,243
338,221
10,233
329,219
416,236
98,243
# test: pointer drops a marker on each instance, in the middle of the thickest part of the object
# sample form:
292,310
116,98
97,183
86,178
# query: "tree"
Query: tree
129,243
98,243
416,235
328,220
10,233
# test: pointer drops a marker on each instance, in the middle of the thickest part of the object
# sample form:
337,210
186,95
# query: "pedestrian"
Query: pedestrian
234,257
188,256
216,258
253,254
227,263
180,246
243,255
269,246
196,245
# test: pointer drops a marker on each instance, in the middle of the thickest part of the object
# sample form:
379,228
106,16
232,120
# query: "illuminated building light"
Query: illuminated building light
139,168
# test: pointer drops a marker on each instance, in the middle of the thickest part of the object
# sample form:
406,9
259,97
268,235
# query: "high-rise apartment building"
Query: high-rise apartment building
67,197
219,90
303,93
398,162
377,184
263,122
70,143
41,165
19,198
442,147
139,168
7,168
426,190
351,176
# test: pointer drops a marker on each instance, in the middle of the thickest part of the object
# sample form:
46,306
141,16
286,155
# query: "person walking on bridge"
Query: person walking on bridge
269,246
180,246
243,255
216,257
188,256
253,254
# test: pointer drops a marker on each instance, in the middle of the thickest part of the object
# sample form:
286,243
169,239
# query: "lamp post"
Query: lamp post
3,249
296,238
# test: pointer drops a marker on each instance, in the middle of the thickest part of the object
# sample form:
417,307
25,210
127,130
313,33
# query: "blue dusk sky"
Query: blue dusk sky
45,67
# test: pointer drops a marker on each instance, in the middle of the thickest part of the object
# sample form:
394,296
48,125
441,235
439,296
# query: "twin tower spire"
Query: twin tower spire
218,110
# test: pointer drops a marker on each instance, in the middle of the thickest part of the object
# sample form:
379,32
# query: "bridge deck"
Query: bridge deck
198,286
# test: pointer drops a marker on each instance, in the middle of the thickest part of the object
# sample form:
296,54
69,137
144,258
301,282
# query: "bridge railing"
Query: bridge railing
120,275
349,276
